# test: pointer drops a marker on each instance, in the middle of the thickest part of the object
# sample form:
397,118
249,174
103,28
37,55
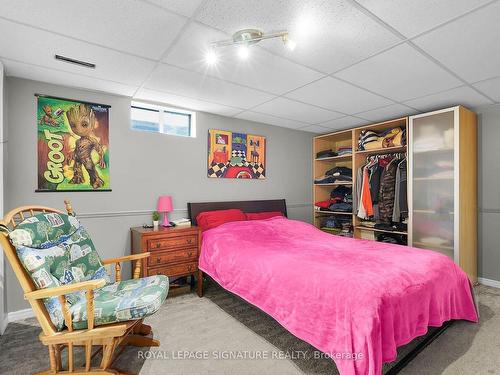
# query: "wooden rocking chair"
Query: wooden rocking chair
106,338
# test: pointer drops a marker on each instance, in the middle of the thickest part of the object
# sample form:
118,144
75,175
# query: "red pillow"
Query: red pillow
211,219
262,215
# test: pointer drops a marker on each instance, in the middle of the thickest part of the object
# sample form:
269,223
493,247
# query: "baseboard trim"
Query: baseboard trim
489,282
3,324
20,315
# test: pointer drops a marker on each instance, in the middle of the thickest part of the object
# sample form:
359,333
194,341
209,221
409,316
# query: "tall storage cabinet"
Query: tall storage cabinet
442,185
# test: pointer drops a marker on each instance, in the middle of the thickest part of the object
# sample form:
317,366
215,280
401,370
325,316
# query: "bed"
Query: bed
355,300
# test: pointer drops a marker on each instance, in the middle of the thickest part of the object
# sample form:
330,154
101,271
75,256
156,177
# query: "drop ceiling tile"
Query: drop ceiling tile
185,102
25,44
184,7
330,34
315,129
387,113
272,120
36,73
262,70
461,95
338,96
490,87
195,85
344,123
412,17
400,73
132,26
469,45
293,110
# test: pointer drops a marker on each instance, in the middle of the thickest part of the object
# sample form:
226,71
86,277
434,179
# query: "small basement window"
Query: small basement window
157,119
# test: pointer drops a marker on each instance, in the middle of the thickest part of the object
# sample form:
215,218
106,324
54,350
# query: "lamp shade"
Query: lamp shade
165,203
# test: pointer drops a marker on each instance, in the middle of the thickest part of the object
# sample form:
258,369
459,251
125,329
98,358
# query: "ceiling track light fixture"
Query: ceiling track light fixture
244,39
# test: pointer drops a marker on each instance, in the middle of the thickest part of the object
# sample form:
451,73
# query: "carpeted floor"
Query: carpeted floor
221,325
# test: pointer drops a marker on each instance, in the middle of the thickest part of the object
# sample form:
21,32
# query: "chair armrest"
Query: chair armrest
126,258
65,289
134,257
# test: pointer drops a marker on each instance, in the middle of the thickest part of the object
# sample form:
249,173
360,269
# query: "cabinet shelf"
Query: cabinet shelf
332,212
433,212
334,158
385,150
438,150
362,227
334,184
432,178
429,246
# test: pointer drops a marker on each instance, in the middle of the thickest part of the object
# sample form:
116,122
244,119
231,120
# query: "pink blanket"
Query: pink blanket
356,300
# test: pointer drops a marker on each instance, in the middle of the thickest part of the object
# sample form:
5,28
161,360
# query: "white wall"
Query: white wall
144,166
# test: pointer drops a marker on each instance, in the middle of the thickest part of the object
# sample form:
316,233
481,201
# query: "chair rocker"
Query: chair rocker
126,329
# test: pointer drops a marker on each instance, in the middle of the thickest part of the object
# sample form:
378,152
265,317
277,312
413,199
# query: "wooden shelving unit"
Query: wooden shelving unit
354,161
320,166
462,187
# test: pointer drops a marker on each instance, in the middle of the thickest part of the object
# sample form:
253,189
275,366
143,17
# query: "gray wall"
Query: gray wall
144,166
489,193
3,304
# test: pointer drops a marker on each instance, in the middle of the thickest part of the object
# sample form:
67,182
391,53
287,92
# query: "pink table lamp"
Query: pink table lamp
165,206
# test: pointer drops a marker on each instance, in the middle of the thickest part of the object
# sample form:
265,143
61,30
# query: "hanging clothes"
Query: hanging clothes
357,193
387,191
400,211
365,209
380,191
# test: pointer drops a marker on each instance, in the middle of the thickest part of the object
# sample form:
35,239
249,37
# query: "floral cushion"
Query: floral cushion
56,250
44,230
124,300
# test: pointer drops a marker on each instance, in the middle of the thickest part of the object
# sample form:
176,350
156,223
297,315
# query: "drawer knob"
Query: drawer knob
190,268
190,253
158,260
158,245
189,240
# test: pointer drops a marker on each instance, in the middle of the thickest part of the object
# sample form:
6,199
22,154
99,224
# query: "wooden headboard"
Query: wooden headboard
246,206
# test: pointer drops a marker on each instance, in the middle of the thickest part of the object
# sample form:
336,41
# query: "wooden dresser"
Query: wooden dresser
174,252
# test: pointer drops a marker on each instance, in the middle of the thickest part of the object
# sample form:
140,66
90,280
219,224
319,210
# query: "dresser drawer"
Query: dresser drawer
172,242
175,270
161,258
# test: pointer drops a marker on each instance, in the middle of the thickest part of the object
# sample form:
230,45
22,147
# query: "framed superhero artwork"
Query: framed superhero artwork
73,145
236,155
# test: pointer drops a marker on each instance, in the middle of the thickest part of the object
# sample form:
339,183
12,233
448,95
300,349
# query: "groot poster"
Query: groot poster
73,145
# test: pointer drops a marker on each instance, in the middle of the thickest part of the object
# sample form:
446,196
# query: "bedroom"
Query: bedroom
155,111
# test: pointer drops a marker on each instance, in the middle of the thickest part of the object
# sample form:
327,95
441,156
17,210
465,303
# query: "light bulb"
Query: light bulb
211,57
243,52
290,44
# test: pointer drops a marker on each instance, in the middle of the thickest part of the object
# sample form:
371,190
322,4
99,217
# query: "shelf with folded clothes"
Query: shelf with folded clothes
337,232
335,183
334,158
325,212
362,227
384,150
